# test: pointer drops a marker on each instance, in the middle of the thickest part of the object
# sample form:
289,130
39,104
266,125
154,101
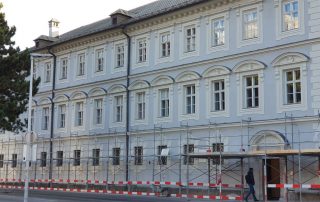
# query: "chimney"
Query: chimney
54,28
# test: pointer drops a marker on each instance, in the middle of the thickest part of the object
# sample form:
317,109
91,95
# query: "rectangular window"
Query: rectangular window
45,118
164,102
43,159
1,160
64,69
98,111
217,147
118,108
250,24
34,73
14,160
47,76
62,116
252,91
79,114
218,32
188,149
162,159
76,157
293,86
142,50
141,106
190,39
59,158
95,157
218,96
119,55
138,155
32,119
81,64
190,99
99,60
290,15
165,44
116,156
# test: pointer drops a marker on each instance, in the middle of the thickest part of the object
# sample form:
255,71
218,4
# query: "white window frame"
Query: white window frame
140,101
249,68
158,47
284,63
118,117
99,60
182,99
95,111
47,72
280,31
81,65
135,52
242,41
59,116
183,40
119,57
294,83
64,63
252,89
166,100
45,118
112,100
114,67
76,114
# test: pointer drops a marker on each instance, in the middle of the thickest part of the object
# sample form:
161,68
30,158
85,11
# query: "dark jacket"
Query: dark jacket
250,178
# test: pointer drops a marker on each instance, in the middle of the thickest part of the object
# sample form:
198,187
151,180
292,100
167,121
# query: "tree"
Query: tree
14,84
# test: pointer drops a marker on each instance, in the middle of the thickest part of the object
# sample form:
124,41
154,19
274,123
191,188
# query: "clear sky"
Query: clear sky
31,16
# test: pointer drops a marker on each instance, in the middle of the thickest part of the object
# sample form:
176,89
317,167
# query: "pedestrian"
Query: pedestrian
250,182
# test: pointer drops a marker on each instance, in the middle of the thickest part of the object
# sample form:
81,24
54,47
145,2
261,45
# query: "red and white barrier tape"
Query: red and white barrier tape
295,186
197,184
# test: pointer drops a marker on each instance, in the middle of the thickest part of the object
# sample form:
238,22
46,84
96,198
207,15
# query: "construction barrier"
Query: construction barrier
295,186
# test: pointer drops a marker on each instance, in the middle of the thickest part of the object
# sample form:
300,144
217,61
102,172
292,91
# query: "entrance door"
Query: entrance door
273,177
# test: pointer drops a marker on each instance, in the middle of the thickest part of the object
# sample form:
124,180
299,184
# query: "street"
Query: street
53,196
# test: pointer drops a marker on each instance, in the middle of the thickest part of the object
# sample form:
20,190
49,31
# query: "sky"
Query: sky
31,17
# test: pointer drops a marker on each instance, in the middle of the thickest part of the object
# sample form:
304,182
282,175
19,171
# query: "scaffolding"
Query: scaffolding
208,159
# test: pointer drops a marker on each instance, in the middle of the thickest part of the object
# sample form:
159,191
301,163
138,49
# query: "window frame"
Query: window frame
45,117
60,120
76,157
116,107
47,72
162,160
78,112
99,61
81,65
138,155
64,63
59,162
96,157
190,148
116,154
43,159
141,103
98,120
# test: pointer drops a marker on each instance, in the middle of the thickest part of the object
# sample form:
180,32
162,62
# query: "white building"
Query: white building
122,98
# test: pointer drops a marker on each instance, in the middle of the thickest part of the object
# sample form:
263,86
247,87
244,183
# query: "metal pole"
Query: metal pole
300,188
220,168
265,170
26,184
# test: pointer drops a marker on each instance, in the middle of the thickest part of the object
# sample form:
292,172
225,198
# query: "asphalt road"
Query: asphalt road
56,196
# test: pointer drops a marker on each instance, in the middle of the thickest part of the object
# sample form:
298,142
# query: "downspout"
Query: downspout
127,101
52,112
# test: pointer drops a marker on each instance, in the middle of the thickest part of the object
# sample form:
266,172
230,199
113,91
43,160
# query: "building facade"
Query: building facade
133,96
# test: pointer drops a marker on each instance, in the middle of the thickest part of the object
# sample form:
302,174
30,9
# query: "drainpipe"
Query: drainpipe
127,101
52,111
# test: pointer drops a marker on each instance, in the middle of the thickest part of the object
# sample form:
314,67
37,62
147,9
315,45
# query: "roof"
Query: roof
143,12
120,11
46,38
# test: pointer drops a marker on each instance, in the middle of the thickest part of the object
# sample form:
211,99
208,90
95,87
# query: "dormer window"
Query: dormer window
119,16
114,20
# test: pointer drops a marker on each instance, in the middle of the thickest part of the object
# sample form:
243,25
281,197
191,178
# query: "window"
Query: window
119,55
43,159
218,34
293,86
14,161
59,158
165,44
79,114
252,91
76,157
32,119
81,64
64,69
34,73
162,159
290,15
218,96
47,74
95,157
62,116
138,155
1,160
99,60
250,24
116,156
45,118
187,149
98,111
217,147
140,98
190,99
164,102
118,108
142,50
190,39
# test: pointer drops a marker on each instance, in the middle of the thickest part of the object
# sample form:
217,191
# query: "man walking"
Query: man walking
250,182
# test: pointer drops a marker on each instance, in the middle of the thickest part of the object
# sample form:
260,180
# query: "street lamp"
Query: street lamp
28,138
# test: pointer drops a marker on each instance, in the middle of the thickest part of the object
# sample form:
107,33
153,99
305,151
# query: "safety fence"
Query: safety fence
295,186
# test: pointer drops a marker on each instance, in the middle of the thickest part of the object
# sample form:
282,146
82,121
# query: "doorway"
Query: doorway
273,177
